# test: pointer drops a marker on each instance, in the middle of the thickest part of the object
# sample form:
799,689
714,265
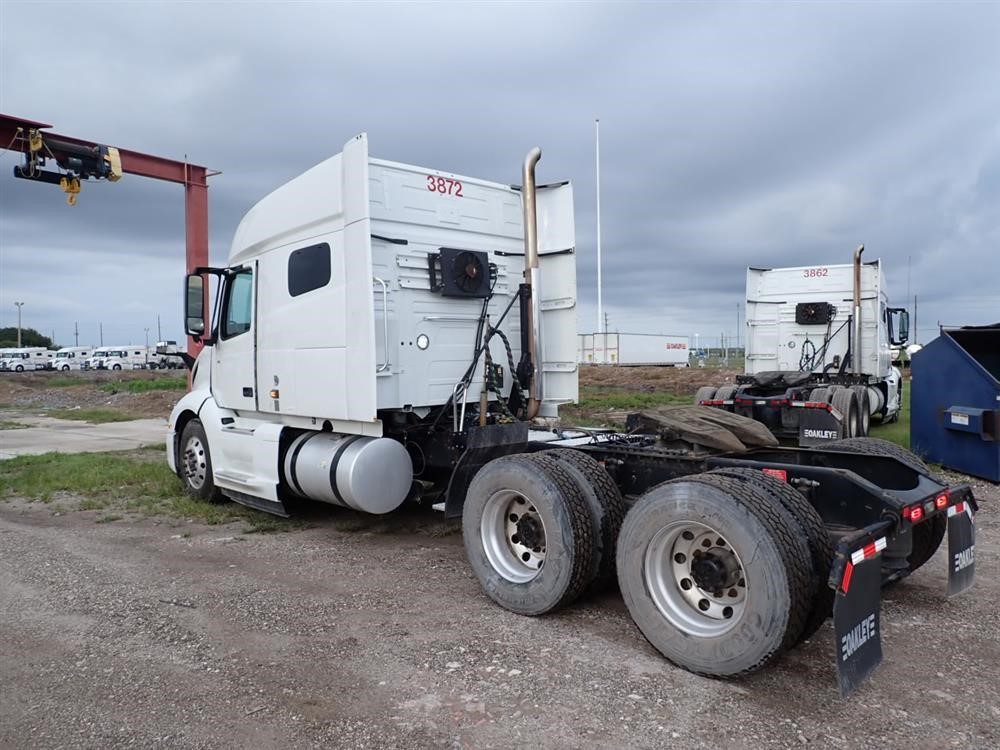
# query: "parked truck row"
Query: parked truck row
69,358
386,334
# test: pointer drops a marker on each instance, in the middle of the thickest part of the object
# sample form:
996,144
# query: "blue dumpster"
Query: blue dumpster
955,401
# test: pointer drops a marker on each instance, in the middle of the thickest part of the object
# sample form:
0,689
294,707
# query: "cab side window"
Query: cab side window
239,304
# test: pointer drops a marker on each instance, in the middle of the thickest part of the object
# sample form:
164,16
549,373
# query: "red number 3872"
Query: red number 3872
444,185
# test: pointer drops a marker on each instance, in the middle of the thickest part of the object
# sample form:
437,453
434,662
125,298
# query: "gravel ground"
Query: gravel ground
371,632
31,392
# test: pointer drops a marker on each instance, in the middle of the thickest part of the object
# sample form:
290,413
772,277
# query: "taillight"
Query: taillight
941,501
777,474
913,513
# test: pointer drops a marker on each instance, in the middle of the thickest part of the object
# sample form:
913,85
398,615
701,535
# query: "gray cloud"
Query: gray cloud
732,134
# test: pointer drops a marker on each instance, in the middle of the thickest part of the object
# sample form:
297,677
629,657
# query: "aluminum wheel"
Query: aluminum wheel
195,466
513,536
695,578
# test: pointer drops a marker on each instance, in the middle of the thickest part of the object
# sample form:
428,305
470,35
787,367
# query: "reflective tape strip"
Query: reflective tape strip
868,551
845,582
955,509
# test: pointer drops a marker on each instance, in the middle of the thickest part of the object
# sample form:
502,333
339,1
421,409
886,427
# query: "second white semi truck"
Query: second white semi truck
389,334
818,352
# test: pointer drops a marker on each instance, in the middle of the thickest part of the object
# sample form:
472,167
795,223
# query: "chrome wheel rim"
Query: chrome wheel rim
513,536
195,463
695,578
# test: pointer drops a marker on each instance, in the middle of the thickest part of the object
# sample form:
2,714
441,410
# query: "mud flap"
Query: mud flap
857,623
961,548
819,426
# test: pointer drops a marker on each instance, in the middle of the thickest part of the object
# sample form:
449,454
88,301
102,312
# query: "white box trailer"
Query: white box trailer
633,349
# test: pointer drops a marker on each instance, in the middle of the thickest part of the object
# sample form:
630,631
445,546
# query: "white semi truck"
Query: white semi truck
26,359
818,353
386,334
119,358
70,358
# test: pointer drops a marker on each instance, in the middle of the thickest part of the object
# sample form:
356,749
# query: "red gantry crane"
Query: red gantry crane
77,160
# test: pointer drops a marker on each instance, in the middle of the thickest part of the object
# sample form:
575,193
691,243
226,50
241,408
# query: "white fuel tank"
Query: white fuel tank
372,475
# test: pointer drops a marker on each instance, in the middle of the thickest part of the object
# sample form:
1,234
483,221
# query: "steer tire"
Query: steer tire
773,560
194,464
550,494
844,401
810,524
607,508
705,393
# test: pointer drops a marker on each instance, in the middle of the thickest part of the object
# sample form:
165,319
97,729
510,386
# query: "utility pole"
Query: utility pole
76,334
916,331
100,328
597,171
159,333
19,306
605,322
147,338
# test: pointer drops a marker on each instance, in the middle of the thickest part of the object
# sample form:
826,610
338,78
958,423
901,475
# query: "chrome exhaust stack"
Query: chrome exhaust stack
856,334
531,278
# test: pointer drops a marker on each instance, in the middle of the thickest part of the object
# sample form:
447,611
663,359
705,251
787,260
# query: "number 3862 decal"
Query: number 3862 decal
444,185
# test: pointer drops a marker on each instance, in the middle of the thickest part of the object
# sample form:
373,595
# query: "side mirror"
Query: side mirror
194,305
899,326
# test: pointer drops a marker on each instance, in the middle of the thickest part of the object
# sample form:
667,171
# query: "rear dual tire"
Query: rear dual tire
540,529
528,534
705,393
751,555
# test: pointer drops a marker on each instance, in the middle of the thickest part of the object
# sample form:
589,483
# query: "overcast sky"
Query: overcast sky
731,135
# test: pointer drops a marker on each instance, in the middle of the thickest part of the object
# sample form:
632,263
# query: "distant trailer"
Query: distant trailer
630,349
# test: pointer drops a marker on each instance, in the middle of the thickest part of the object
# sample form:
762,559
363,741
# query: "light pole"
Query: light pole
147,337
19,306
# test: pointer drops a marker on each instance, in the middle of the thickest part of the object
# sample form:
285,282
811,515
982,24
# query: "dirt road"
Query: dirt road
366,632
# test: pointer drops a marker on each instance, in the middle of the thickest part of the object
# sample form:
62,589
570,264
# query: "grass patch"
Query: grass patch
63,381
145,386
9,424
899,431
136,482
93,416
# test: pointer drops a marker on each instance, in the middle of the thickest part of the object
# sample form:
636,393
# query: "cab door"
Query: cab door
235,347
